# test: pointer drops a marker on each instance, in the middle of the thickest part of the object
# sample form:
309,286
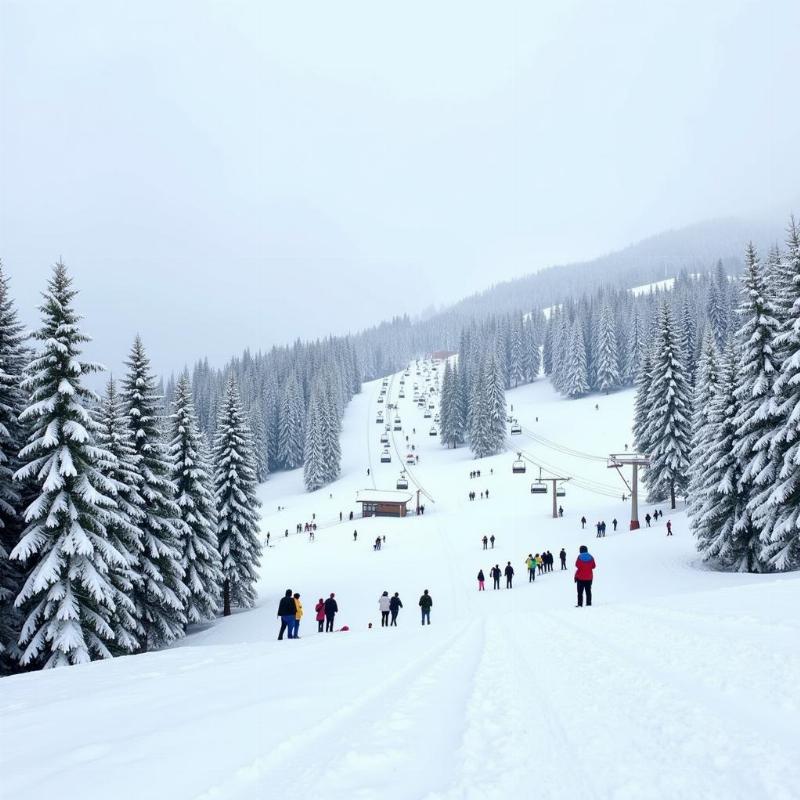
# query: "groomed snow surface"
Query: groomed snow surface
677,683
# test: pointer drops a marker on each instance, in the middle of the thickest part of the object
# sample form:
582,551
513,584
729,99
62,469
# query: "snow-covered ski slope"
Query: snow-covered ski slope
677,683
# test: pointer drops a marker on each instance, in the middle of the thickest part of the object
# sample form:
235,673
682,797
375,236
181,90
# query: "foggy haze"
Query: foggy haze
223,175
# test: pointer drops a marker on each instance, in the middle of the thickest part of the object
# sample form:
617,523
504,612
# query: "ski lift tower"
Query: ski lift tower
634,460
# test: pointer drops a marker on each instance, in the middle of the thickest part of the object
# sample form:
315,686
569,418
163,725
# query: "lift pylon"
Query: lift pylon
634,460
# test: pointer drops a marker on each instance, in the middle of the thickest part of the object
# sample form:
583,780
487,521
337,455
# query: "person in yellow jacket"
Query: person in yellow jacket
294,634
539,563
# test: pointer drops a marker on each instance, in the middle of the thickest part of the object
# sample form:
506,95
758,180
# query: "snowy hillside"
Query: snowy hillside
678,682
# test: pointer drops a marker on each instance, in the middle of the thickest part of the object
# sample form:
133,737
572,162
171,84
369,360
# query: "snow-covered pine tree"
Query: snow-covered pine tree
607,362
260,443
758,410
13,356
314,468
516,361
67,598
636,347
192,476
332,453
236,503
478,412
114,435
495,408
533,359
160,601
290,431
777,507
714,501
575,380
669,426
642,404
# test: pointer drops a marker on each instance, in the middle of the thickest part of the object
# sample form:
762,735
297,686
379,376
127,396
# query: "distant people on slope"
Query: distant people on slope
563,556
385,605
509,571
495,572
395,604
669,527
530,563
425,604
485,542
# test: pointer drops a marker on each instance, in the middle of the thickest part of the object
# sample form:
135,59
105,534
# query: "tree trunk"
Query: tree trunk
226,597
672,494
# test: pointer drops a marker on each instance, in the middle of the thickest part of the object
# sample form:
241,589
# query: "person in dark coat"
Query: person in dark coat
485,542
491,539
286,611
647,519
495,572
395,604
509,571
425,603
550,561
583,522
584,574
669,527
563,556
331,609
481,579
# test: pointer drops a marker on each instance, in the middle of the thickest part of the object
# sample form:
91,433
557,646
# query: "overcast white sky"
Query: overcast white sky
223,174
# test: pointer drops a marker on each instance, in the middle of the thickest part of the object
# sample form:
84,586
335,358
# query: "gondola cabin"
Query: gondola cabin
386,457
402,482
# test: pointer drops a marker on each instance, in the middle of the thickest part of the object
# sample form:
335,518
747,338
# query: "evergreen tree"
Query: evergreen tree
13,356
331,428
195,497
160,601
607,361
576,382
642,404
776,507
67,597
715,503
290,432
495,408
114,436
758,410
314,467
516,365
669,416
236,503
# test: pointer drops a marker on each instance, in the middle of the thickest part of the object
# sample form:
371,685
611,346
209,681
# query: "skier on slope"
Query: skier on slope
584,574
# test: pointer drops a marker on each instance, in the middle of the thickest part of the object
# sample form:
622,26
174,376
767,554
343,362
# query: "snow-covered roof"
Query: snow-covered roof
382,496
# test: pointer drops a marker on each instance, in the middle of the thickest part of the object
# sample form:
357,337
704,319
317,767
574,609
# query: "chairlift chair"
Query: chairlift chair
538,488
433,432
561,492
386,457
402,482
516,429
518,467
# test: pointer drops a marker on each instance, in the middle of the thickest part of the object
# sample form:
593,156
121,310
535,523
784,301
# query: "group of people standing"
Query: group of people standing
290,612
472,495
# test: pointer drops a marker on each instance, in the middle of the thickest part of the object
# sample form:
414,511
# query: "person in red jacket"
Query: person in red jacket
320,609
584,573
